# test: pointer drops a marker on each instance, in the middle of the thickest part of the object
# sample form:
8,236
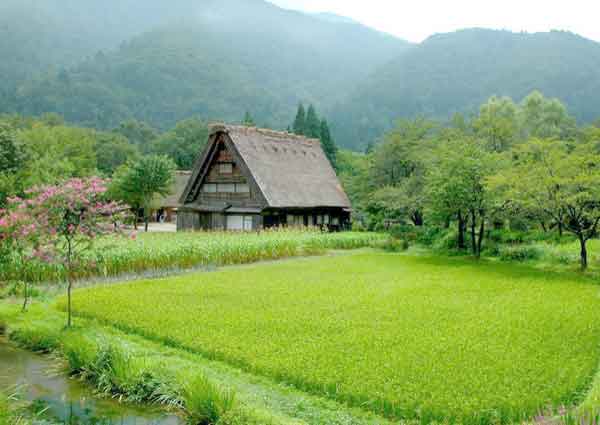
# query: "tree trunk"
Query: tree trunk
473,234
69,280
584,259
543,224
481,233
25,296
69,287
560,228
417,218
461,231
146,220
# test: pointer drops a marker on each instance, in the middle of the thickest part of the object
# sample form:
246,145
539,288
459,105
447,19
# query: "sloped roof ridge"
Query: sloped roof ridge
273,134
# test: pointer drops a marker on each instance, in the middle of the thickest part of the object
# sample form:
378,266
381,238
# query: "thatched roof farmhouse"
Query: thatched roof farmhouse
248,178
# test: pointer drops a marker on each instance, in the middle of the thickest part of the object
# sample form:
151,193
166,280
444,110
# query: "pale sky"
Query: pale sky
415,20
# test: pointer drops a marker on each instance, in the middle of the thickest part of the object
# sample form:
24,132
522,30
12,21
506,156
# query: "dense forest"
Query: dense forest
162,63
213,59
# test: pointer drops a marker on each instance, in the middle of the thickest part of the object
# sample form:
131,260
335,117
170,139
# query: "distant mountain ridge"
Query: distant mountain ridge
215,58
99,63
456,72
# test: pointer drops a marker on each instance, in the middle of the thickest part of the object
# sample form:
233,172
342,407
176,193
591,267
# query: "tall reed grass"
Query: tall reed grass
112,257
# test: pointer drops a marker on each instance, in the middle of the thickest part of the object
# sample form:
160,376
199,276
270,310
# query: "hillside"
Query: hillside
215,59
456,72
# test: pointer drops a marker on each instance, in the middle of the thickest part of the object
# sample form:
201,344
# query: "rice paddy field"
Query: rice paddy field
401,335
160,252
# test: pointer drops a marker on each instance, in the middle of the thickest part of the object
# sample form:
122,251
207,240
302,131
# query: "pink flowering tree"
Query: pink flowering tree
67,219
19,237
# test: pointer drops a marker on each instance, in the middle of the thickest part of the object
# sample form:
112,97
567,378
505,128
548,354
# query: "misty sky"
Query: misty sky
415,20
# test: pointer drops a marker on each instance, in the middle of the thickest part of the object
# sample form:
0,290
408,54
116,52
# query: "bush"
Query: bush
391,245
520,253
447,240
205,403
429,235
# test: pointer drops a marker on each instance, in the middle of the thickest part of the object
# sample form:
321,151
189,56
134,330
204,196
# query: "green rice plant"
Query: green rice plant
205,403
408,337
79,351
174,251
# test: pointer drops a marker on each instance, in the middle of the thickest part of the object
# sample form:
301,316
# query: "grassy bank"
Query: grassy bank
133,368
406,337
174,251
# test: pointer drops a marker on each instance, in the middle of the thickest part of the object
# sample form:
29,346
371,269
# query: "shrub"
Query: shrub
447,240
519,253
429,235
391,245
205,403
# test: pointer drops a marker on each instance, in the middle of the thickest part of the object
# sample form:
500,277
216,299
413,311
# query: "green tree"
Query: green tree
328,144
497,123
299,125
182,144
554,180
139,182
57,153
312,126
12,160
456,187
546,118
248,120
138,133
112,151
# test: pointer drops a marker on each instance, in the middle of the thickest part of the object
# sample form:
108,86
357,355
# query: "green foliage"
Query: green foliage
162,63
450,73
151,252
299,125
427,329
248,120
138,183
391,244
112,151
205,403
36,337
519,253
182,144
57,153
312,126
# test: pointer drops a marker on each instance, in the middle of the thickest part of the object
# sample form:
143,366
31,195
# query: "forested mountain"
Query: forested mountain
456,72
101,63
215,59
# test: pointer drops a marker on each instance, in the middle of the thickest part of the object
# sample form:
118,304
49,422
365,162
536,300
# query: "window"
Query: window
319,220
209,188
226,188
335,221
242,188
226,168
239,223
326,219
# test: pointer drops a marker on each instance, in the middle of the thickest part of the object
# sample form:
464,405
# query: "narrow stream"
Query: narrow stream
67,400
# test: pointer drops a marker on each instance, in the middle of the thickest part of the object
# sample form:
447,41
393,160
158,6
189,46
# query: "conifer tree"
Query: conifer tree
328,143
248,120
312,127
299,126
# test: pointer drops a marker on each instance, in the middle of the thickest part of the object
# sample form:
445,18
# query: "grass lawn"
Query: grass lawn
401,335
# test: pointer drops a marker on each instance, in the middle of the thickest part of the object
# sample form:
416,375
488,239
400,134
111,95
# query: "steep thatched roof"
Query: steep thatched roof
180,181
291,171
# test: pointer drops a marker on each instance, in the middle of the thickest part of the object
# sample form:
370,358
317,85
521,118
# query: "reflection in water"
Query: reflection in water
66,400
